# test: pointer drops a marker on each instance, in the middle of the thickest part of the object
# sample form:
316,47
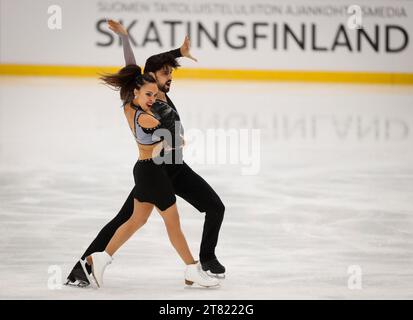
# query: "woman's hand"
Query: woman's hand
185,49
117,27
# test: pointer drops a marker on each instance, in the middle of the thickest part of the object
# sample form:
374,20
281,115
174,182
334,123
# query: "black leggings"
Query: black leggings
192,188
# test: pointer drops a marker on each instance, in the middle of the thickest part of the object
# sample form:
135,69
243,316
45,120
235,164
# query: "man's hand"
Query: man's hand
185,49
117,27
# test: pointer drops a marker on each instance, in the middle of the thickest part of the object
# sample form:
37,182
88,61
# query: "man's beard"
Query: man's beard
165,88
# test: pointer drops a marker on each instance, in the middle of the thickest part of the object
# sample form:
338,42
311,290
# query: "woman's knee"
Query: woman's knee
140,216
171,218
134,224
172,223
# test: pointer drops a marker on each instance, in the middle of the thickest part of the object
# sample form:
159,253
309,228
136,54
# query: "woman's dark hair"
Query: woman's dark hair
126,80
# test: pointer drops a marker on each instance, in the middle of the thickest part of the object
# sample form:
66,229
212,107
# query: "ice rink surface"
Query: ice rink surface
327,212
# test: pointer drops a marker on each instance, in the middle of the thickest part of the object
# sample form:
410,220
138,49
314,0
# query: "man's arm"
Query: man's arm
176,53
183,51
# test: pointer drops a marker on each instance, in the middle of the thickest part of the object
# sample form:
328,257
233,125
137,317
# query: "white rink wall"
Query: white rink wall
239,35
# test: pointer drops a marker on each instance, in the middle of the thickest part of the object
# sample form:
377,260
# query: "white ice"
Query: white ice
333,194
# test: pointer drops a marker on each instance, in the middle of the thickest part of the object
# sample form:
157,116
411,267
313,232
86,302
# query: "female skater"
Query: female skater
186,183
153,187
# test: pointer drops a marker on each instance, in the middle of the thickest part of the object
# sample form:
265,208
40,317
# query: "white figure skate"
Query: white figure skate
194,274
100,260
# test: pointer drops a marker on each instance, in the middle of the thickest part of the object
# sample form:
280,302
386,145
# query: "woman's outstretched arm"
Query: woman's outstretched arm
127,49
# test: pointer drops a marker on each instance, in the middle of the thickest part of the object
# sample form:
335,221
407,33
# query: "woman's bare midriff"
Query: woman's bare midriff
149,151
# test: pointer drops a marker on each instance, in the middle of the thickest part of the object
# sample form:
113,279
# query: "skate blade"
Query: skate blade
89,278
216,275
214,286
191,284
197,286
77,284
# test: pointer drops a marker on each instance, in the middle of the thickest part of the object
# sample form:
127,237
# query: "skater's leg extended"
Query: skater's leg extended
141,213
173,227
193,272
99,260
78,276
104,236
